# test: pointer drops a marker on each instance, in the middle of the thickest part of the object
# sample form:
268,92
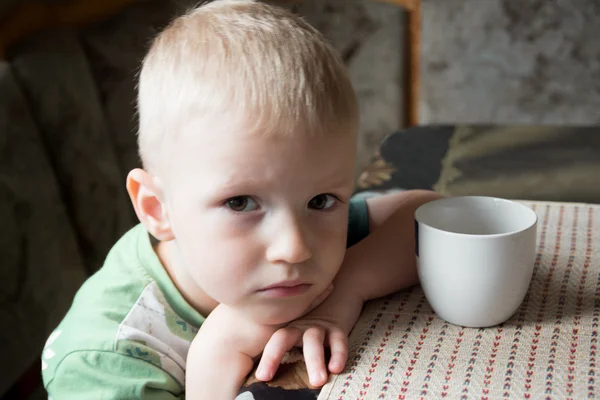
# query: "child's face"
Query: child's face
261,222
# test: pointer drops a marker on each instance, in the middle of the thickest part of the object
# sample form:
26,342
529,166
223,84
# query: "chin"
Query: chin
279,314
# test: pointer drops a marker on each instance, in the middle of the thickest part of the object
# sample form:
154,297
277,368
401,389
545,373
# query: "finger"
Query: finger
338,343
314,355
320,298
281,341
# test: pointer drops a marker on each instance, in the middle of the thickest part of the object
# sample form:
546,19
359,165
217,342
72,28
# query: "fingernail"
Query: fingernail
322,377
261,373
314,379
317,379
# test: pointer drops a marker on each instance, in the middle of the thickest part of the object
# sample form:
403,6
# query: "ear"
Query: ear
147,198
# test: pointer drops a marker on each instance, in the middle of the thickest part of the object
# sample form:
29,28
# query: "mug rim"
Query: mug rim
421,208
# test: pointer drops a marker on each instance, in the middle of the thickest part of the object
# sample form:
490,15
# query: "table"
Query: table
400,349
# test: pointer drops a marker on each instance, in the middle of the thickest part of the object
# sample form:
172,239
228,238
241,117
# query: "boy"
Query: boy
248,127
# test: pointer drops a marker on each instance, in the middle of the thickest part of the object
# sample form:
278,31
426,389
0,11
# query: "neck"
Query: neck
192,293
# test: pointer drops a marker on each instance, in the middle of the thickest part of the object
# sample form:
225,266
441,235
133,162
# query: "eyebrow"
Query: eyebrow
237,181
243,185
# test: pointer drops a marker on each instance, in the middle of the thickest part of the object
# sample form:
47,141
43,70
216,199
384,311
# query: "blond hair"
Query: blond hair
233,59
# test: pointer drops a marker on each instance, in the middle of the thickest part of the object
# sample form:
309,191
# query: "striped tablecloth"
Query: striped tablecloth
401,350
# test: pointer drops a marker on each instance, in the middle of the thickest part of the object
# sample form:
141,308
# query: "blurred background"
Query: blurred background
498,97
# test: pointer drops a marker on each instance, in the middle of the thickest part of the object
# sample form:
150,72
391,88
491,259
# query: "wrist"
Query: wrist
346,305
350,279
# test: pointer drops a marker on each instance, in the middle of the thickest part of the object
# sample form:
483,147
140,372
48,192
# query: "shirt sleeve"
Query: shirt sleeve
111,376
358,221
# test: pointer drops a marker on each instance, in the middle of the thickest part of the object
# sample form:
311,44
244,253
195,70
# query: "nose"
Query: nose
289,244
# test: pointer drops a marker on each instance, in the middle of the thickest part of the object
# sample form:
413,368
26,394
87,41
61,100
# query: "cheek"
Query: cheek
331,240
224,271
221,274
217,257
334,227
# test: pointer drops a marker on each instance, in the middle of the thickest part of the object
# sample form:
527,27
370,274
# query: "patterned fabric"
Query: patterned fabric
535,163
531,163
399,349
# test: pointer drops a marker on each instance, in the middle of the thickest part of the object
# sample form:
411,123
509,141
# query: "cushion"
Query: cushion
529,163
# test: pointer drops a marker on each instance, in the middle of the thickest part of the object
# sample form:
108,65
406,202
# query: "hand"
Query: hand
327,325
313,336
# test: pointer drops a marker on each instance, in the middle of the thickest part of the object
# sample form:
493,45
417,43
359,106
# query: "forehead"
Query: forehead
223,159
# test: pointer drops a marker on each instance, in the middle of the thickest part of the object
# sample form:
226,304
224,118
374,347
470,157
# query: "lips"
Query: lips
285,289
284,284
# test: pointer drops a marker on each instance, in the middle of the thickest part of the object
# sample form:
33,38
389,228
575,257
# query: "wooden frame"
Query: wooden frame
412,57
30,17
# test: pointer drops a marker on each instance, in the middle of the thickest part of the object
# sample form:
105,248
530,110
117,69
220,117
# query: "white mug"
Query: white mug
475,257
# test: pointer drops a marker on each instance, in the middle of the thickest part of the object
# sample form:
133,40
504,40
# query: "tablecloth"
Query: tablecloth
400,349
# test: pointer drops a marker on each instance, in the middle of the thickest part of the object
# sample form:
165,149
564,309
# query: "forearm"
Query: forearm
221,355
385,261
218,374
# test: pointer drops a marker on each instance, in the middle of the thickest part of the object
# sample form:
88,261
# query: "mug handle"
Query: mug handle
416,238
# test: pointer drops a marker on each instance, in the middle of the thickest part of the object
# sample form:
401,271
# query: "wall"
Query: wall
511,61
369,34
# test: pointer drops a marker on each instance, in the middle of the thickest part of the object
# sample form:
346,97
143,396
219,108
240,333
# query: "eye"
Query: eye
322,202
241,204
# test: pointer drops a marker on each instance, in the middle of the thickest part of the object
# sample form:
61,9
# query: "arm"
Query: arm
216,372
384,262
222,354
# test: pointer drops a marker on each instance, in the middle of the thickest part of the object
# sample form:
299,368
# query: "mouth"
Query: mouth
285,289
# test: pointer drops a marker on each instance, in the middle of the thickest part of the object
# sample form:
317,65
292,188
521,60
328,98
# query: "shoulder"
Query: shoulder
109,320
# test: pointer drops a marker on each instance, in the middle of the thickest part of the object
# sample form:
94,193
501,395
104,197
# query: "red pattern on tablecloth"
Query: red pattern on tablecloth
399,349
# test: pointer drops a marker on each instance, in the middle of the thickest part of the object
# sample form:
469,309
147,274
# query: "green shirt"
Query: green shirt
129,329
